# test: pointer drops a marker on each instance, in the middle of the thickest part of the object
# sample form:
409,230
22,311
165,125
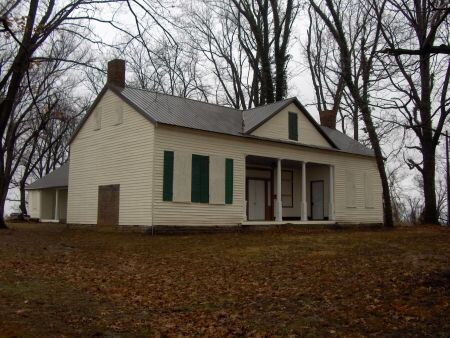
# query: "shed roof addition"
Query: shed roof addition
57,178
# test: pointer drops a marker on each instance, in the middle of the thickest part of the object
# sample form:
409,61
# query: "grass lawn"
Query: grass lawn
56,281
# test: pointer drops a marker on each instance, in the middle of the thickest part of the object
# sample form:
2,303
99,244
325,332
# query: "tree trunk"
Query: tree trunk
280,78
430,213
3,193
355,119
387,203
266,81
23,202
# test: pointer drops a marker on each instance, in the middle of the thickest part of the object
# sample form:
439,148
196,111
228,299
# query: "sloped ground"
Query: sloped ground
70,282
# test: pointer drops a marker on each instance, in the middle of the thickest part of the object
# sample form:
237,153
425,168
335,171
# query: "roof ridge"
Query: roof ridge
183,98
269,104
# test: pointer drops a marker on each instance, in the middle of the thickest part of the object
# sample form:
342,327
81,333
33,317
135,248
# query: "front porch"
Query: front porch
306,192
48,205
309,222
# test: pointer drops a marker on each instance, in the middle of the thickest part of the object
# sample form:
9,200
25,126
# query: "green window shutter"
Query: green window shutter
168,176
228,181
204,180
195,181
293,126
200,179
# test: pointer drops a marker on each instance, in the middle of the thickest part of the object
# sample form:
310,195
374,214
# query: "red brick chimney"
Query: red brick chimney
116,72
328,118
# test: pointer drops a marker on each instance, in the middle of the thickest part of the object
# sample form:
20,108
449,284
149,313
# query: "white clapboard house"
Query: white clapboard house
151,159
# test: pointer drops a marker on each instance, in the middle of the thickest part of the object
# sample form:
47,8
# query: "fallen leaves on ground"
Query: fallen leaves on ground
68,282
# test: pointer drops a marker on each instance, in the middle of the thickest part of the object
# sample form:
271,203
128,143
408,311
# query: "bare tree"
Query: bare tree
212,31
157,58
169,68
332,17
264,33
246,45
323,59
26,27
52,115
420,80
45,115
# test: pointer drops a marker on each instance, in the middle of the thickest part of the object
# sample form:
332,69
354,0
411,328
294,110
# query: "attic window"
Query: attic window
293,126
118,114
98,118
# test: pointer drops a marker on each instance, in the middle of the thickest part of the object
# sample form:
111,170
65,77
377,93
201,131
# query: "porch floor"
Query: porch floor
320,222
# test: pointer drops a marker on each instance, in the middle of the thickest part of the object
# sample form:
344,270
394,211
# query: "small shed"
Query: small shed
47,196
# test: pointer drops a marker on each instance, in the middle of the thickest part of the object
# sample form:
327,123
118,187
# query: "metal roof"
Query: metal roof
253,118
57,178
183,112
178,111
346,143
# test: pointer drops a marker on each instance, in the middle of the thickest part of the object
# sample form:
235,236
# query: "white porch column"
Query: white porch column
56,204
304,209
279,206
244,211
331,211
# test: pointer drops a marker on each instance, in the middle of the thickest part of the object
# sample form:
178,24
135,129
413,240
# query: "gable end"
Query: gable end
97,100
304,112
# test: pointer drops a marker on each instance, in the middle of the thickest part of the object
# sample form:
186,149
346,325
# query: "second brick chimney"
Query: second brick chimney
116,72
328,118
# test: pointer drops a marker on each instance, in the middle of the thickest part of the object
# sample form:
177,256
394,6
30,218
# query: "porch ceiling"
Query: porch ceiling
272,162
259,160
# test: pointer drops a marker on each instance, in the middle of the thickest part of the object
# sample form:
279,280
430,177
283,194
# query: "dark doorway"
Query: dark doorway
108,204
317,200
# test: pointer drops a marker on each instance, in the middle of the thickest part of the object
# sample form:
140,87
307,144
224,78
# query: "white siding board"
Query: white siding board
350,188
182,174
131,154
368,189
34,203
114,154
217,180
277,128
209,144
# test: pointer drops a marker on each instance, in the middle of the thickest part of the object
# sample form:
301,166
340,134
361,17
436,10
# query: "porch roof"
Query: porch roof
57,178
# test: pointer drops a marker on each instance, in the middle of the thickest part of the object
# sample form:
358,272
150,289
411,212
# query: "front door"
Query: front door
317,200
256,200
108,204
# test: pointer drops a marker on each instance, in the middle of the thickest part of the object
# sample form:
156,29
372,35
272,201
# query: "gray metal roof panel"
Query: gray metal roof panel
188,113
178,111
183,112
346,143
57,178
254,117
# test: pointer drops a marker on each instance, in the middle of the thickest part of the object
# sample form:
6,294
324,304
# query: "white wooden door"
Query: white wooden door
256,200
317,200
